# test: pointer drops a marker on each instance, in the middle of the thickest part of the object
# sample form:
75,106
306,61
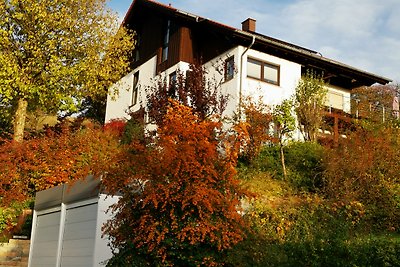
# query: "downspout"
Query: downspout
241,76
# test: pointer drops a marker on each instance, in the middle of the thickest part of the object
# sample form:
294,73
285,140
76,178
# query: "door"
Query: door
45,239
79,236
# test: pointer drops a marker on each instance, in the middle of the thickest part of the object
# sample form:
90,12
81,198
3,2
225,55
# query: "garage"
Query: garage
67,223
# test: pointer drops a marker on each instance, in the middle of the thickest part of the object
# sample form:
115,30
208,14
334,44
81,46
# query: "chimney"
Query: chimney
249,25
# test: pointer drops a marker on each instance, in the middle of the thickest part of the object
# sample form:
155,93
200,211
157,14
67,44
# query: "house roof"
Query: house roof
294,52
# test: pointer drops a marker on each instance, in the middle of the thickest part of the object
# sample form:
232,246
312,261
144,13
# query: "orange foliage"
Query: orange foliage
180,197
374,102
59,156
365,167
257,125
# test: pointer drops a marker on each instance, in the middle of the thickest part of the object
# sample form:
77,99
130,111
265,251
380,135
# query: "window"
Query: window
229,69
136,50
334,100
172,85
263,71
164,53
172,79
135,88
254,69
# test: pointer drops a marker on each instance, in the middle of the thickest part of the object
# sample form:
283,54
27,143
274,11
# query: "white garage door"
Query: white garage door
44,252
79,236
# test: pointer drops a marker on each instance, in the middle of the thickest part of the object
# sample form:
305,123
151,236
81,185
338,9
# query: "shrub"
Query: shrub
269,161
180,195
304,161
311,232
9,217
60,155
258,118
364,167
305,164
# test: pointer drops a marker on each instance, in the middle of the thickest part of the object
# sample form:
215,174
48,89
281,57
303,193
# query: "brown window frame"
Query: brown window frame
264,64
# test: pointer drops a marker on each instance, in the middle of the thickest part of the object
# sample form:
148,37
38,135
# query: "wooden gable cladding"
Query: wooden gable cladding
173,45
180,45
150,34
210,42
189,41
186,52
180,48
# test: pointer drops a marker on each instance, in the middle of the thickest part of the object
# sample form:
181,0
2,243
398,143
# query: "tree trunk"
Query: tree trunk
283,160
19,120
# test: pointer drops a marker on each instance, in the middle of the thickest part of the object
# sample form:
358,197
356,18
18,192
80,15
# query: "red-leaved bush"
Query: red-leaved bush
59,156
365,167
180,195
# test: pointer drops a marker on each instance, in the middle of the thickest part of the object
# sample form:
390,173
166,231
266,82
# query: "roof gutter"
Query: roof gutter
241,76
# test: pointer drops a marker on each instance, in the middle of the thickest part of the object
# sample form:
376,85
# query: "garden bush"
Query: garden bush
365,167
312,231
305,163
269,161
8,219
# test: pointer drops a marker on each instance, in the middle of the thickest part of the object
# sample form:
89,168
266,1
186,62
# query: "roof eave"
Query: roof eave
316,56
292,48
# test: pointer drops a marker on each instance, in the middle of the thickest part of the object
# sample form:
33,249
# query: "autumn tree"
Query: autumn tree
191,88
55,53
63,154
5,119
180,197
364,167
257,123
285,124
377,103
309,100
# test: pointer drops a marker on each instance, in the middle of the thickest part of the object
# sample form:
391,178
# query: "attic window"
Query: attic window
263,71
136,50
135,88
164,54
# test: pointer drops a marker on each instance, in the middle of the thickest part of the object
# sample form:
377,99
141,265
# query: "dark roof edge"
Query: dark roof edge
128,12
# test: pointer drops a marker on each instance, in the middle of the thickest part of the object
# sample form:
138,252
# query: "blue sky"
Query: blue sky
362,33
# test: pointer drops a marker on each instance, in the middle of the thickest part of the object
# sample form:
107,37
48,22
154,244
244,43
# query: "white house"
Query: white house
169,39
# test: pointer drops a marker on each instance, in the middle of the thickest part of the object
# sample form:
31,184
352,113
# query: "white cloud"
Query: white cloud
348,20
362,33
392,17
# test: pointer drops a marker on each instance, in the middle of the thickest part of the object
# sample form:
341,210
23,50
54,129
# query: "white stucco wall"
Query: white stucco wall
230,88
290,74
272,94
119,99
102,252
